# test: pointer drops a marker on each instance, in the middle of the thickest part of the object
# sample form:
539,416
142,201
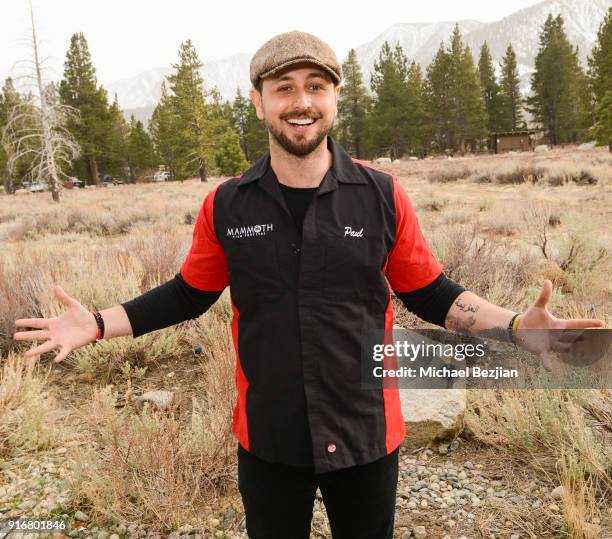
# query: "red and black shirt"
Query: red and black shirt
302,301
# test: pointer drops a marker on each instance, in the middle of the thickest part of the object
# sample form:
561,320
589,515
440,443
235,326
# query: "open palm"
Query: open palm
69,331
540,332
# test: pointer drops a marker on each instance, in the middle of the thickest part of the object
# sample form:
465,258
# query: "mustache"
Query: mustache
308,113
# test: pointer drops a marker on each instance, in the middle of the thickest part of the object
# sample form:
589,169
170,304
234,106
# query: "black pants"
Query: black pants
278,499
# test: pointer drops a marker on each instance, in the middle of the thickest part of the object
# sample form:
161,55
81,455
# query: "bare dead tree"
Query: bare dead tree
36,127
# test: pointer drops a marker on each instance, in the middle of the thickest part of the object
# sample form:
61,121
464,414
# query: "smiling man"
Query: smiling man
311,242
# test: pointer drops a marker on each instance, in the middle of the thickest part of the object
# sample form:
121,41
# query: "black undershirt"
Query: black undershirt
183,302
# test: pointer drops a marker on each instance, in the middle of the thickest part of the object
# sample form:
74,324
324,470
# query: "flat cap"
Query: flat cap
292,48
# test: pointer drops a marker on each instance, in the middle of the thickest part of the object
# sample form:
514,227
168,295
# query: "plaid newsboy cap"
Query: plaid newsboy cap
292,48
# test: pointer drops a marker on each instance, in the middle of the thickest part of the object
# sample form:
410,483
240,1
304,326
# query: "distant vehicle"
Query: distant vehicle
75,182
38,187
161,176
108,179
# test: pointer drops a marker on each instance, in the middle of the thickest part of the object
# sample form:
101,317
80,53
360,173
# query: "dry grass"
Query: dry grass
162,467
27,422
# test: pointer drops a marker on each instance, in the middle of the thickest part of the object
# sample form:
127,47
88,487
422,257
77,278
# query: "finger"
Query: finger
45,347
63,298
31,335
572,335
41,323
546,363
583,323
62,355
545,295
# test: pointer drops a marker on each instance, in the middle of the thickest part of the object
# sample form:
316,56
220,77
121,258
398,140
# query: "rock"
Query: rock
413,158
553,507
161,399
587,145
79,515
468,465
419,532
432,415
558,493
383,161
114,536
515,536
541,148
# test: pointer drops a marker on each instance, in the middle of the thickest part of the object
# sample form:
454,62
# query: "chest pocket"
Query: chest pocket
253,266
353,260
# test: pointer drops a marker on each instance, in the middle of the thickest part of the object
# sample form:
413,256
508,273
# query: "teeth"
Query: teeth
301,122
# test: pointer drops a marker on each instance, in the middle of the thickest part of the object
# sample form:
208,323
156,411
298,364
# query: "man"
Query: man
311,243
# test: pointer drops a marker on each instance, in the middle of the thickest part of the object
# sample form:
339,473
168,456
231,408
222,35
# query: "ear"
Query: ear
257,102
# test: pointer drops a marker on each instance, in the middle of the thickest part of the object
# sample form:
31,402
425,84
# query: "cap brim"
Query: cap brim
294,61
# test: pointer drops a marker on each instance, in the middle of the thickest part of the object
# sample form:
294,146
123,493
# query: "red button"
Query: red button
331,448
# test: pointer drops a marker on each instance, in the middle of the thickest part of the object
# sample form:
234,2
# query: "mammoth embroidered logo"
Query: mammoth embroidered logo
249,231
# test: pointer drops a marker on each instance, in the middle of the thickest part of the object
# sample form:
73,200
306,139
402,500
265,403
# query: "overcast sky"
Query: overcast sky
127,37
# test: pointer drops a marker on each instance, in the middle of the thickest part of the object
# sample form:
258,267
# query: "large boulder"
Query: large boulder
432,415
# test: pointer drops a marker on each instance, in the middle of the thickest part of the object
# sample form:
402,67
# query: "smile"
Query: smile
301,124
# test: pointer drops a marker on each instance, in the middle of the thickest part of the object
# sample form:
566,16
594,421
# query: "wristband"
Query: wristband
100,324
512,328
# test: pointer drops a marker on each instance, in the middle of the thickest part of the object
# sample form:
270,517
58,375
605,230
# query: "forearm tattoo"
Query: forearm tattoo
466,308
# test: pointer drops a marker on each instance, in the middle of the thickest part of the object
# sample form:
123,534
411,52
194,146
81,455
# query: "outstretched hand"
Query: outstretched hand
545,341
71,330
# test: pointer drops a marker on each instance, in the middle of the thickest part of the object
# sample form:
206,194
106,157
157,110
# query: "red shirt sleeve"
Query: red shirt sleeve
205,267
411,264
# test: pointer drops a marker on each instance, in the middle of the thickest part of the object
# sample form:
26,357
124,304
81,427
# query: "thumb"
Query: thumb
62,297
546,363
545,295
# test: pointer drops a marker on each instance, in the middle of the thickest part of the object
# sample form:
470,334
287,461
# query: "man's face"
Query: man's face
298,106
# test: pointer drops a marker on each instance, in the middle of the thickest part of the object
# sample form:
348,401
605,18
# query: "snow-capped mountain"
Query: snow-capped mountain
420,42
144,90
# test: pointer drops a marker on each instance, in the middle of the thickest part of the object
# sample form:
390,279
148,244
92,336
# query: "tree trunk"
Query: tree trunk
93,169
202,172
8,185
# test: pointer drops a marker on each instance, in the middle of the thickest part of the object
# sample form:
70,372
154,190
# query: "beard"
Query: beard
300,146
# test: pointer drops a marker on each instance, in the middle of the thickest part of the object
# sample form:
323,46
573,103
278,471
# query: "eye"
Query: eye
316,86
283,88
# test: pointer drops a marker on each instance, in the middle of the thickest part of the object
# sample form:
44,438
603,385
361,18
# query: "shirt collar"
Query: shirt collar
343,168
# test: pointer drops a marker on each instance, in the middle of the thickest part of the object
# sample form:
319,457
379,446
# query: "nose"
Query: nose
302,100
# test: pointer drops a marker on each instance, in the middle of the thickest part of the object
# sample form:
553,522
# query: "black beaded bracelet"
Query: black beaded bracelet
100,324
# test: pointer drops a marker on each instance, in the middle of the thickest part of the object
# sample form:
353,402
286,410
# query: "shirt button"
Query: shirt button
331,448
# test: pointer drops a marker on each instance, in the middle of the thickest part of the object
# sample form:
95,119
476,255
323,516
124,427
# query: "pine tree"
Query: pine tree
116,159
390,117
438,100
490,88
455,105
140,149
230,157
511,116
256,138
558,85
240,118
353,106
415,87
164,131
602,130
79,89
196,124
600,61
9,99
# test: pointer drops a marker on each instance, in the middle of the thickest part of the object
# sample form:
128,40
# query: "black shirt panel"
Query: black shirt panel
432,302
167,304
